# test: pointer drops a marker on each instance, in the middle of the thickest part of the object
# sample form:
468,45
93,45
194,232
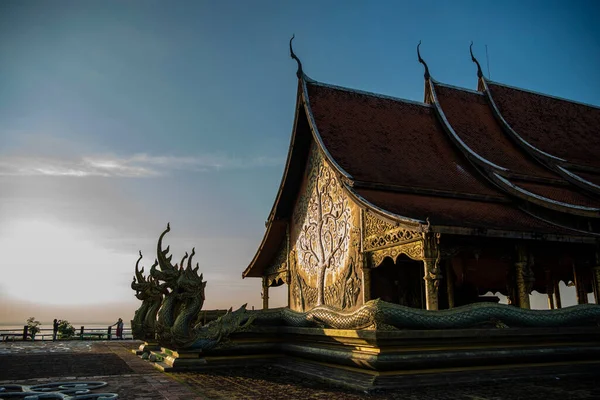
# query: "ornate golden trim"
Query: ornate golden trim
379,234
375,226
413,249
279,266
282,275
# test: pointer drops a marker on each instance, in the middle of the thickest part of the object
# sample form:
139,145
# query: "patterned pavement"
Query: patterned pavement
134,379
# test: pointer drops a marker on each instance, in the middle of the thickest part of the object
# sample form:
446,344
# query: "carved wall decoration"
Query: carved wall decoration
325,242
380,233
413,250
343,294
324,238
277,271
375,226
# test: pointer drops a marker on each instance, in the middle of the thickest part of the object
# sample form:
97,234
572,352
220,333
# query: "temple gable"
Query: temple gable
325,241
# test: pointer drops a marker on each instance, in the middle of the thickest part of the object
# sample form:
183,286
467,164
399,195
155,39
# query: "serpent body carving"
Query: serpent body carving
216,332
377,313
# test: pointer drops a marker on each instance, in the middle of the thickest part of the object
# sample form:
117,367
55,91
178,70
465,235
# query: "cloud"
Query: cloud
140,165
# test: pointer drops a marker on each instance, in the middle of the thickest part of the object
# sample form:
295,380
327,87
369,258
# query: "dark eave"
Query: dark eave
399,220
585,237
292,176
499,175
274,235
557,164
429,191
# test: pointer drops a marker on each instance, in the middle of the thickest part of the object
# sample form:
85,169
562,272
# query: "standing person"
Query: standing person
54,330
119,325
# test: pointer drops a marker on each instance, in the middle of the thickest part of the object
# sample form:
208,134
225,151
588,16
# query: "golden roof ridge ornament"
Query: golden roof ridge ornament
299,72
479,72
426,75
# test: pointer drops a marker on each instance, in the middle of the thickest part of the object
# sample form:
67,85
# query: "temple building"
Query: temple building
434,204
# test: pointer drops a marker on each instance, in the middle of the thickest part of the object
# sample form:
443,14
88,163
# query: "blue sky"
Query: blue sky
117,117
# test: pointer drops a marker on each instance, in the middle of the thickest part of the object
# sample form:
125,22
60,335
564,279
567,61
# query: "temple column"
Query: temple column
579,287
265,293
596,280
557,294
366,278
289,288
521,277
596,277
432,276
550,289
432,283
450,284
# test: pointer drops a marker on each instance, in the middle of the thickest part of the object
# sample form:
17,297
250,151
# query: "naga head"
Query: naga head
190,284
168,272
144,287
226,324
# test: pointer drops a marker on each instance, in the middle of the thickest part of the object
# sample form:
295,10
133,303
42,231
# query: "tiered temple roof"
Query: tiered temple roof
496,162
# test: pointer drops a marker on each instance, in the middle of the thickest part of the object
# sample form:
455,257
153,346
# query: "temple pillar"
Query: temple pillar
557,294
596,280
366,278
450,284
579,286
550,289
432,283
265,293
432,276
521,277
596,277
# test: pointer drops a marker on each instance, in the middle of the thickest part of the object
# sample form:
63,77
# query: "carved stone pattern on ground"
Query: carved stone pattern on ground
57,390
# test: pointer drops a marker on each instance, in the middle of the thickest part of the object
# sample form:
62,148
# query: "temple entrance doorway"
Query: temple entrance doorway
399,282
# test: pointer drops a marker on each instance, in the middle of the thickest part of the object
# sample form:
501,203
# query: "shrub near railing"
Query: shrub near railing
65,329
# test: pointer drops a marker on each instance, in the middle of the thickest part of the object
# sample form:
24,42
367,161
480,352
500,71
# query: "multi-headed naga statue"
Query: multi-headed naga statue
148,290
169,274
172,323
191,295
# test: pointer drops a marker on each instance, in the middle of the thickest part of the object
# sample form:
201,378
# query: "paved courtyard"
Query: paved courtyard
134,379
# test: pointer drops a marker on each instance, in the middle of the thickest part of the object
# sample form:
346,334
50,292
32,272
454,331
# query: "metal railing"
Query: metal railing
82,333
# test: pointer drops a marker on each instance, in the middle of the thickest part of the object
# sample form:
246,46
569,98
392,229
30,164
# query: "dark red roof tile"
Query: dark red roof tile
472,119
559,127
388,141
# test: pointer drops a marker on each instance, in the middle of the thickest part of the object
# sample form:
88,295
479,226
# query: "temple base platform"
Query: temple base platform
379,359
147,347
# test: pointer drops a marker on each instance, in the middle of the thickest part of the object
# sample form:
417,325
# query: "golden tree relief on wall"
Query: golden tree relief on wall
324,223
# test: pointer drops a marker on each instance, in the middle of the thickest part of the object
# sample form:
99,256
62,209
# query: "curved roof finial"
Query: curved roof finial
423,62
479,73
299,73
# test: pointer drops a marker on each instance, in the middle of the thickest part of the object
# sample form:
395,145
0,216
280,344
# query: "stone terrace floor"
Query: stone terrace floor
131,378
